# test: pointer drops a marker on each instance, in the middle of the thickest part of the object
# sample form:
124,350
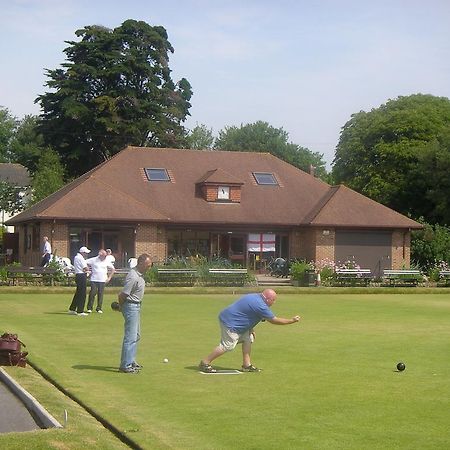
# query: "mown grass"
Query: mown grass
328,383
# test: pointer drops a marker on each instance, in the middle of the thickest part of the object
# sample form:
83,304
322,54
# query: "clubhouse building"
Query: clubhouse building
243,206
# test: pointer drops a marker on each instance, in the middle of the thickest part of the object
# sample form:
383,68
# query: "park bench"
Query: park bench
226,277
402,277
31,275
176,277
444,278
119,276
352,277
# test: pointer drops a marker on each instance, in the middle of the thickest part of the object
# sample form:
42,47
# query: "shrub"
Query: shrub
298,270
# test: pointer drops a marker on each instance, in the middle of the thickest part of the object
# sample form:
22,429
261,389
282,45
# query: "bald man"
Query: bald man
237,322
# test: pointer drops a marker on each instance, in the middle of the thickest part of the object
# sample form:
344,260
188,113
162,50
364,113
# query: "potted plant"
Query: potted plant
302,273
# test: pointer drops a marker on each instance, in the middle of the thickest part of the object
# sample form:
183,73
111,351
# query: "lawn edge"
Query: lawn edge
107,424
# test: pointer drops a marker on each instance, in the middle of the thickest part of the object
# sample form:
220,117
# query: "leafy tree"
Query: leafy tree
11,198
200,138
430,245
391,153
262,137
8,125
114,90
49,176
431,177
27,144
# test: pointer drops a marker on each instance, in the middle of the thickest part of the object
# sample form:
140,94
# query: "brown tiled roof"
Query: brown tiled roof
219,176
343,207
14,174
116,190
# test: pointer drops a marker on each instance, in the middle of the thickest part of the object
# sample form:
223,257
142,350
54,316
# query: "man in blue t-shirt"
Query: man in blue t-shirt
237,322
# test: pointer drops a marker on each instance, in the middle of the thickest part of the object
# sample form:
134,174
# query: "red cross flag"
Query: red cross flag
260,242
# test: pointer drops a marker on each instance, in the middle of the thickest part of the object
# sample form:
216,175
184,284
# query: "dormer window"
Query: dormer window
223,193
157,175
266,178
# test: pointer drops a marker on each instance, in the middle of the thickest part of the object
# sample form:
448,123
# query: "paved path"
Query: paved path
14,416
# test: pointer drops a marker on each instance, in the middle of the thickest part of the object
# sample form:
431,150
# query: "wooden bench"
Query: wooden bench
402,277
444,278
32,275
352,277
226,277
176,277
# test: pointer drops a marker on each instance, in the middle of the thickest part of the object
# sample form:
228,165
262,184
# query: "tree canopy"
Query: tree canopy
48,177
262,137
27,144
200,138
8,124
115,89
399,154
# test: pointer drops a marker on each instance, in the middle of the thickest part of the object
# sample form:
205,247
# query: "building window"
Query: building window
157,175
223,193
265,178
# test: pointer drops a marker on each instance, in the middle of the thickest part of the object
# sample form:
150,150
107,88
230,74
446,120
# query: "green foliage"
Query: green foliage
59,276
8,124
435,268
49,176
262,137
200,138
114,90
299,269
12,198
430,245
201,264
398,155
27,144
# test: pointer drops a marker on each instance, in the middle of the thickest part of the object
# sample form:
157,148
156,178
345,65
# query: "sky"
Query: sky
305,66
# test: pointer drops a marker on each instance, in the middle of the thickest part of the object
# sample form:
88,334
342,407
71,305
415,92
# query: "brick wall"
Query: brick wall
302,244
325,244
57,235
59,239
210,193
151,239
401,249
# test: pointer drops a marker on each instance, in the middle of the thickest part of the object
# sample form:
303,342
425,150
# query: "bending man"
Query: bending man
237,322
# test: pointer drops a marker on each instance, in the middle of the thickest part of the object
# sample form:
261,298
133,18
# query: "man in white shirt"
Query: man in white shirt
76,308
101,273
46,252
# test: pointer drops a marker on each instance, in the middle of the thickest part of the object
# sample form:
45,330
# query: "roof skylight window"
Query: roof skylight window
157,175
265,178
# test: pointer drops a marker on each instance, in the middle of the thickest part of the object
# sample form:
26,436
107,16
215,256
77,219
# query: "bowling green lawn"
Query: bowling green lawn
329,382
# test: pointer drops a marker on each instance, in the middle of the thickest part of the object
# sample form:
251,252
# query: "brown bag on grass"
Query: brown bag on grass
10,351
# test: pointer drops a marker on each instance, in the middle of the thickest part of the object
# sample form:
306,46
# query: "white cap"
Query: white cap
84,250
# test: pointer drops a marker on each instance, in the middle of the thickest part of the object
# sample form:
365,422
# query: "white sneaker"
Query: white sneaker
89,311
100,311
72,313
83,314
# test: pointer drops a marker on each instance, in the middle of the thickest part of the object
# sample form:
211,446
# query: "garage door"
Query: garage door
371,250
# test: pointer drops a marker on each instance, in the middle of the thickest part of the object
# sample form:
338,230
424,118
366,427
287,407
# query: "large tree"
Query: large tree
262,137
8,124
200,138
398,154
48,177
115,89
27,144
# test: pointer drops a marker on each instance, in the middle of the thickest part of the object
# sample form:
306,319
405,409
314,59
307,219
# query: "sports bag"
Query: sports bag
11,351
